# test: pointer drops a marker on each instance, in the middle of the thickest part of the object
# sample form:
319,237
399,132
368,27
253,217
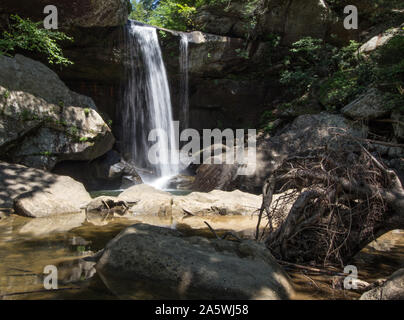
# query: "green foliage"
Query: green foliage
338,90
170,14
162,34
243,53
389,71
73,131
335,76
26,115
139,12
27,35
179,14
6,94
390,59
86,112
266,121
315,65
46,153
173,15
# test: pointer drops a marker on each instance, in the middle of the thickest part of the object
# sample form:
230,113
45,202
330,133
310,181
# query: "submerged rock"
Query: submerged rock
52,224
391,289
160,263
73,271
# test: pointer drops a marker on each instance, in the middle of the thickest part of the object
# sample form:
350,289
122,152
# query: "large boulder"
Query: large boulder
379,40
39,129
368,106
305,135
147,261
391,289
42,204
219,18
88,13
24,74
37,193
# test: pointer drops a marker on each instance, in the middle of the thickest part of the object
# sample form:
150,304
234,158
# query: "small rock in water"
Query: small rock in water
390,289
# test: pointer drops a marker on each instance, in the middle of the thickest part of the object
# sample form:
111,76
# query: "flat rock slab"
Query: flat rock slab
148,201
219,202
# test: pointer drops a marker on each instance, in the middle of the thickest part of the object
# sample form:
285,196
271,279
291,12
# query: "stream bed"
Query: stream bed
24,254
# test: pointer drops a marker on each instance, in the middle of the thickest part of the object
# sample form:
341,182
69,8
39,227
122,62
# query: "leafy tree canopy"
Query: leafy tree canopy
172,14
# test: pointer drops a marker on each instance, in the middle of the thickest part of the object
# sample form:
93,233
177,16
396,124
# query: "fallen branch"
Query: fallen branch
213,231
227,234
312,269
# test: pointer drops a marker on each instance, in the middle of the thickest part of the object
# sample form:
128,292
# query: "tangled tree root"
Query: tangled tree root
346,200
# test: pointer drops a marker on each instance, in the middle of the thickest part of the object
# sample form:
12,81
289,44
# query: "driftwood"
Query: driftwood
347,199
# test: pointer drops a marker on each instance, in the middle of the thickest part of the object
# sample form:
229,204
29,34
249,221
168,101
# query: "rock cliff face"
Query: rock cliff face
291,19
83,13
227,75
226,78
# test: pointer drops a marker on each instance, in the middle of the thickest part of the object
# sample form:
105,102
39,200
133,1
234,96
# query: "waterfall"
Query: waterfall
184,83
147,103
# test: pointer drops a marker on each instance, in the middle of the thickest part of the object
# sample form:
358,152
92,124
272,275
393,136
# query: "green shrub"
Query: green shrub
27,35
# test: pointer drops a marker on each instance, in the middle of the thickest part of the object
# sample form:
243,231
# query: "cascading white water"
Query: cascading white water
184,84
147,103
